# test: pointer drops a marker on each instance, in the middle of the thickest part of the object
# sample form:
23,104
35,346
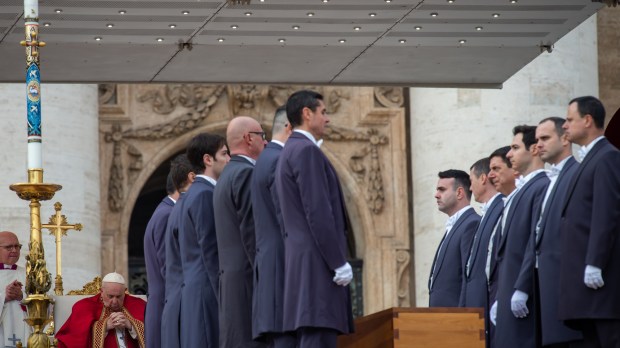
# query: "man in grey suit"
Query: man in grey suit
543,253
590,258
182,173
197,243
516,327
446,278
234,227
317,302
268,298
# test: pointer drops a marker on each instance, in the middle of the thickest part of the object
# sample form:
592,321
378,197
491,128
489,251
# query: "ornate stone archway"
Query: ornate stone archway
142,125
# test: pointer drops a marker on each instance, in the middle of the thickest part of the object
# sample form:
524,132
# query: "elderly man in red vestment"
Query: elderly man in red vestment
110,319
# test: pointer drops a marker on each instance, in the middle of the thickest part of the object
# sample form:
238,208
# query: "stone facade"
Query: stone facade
143,125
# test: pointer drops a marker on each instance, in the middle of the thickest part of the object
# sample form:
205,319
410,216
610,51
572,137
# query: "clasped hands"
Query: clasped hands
117,320
344,275
14,292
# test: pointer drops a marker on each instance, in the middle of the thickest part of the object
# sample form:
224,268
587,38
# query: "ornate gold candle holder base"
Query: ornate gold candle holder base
38,318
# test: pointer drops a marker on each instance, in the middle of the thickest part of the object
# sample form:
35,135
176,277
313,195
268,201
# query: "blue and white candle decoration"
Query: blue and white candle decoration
33,83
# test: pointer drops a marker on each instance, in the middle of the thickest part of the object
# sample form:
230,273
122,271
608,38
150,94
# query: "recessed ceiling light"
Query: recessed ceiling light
513,1
325,0
434,14
479,28
234,26
388,1
47,24
296,27
342,40
450,1
160,39
417,27
172,26
262,0
357,28
110,25
310,14
185,12
98,38
495,15
122,11
461,41
402,41
281,40
58,10
248,13
372,14
221,39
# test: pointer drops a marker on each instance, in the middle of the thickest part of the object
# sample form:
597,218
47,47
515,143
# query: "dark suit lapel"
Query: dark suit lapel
168,200
446,244
488,216
559,183
582,165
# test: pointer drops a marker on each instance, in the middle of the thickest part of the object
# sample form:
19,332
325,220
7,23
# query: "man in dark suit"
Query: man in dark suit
590,258
234,228
268,298
154,259
317,302
474,291
475,286
503,178
543,253
182,174
208,155
515,296
446,277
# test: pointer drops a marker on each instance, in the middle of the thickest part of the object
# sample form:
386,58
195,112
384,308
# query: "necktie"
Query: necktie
582,153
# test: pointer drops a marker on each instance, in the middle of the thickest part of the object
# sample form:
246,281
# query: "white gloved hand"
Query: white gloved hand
518,304
344,275
493,313
593,277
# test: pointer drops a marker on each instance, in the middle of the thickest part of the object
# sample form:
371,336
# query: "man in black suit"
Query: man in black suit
446,277
317,301
198,248
543,253
590,258
268,298
234,227
515,297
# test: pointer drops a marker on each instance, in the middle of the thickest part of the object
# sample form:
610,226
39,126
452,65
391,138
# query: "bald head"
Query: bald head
9,248
244,136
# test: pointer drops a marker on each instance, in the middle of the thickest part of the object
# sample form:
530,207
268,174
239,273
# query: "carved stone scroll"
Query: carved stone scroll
403,257
389,97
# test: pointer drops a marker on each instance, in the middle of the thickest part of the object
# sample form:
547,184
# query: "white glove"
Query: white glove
344,275
518,304
493,313
593,277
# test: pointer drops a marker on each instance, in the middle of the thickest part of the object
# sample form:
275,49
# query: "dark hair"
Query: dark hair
482,166
529,134
180,167
501,152
297,102
203,143
589,105
279,120
169,184
460,179
558,122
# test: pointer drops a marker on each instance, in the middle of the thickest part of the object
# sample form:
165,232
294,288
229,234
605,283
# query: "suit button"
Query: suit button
285,235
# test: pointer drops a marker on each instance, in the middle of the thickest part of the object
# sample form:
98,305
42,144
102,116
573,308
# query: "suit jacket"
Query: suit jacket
450,260
154,258
199,259
170,316
268,298
475,285
520,225
591,236
234,227
315,241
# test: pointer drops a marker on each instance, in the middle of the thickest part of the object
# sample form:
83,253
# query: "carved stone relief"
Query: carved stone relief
155,116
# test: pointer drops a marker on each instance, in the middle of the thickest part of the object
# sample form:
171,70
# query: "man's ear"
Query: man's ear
207,160
534,149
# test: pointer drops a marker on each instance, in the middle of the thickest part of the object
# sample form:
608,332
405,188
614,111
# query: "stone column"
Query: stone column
70,158
453,128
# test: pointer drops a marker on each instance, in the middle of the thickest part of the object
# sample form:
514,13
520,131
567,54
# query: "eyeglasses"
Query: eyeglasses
12,247
262,134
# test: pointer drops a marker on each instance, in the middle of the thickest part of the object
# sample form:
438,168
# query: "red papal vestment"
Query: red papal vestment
86,326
